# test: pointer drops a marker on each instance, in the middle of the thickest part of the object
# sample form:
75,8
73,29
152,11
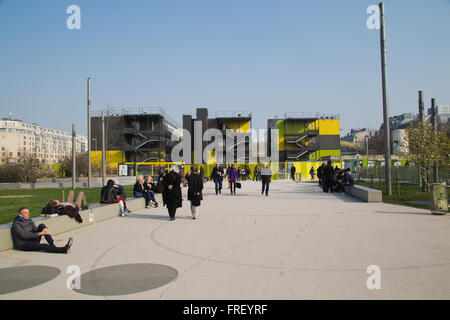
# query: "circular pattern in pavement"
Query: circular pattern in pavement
23,277
125,279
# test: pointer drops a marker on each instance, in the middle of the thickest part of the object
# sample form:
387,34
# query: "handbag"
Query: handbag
238,185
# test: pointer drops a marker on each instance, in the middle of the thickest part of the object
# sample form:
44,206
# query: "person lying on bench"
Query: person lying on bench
27,237
70,209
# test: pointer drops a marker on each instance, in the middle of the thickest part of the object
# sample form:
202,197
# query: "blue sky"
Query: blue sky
267,57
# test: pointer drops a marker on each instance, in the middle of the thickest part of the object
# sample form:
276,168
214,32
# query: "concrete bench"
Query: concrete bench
364,193
62,224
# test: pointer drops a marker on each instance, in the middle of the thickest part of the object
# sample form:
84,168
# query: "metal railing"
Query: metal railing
233,114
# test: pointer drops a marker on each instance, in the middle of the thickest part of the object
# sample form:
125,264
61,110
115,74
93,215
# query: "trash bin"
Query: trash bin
440,201
298,177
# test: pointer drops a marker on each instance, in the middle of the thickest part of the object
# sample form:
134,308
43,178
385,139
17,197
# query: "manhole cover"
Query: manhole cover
20,278
125,279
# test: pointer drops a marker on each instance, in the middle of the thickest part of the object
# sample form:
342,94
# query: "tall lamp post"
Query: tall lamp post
74,155
89,129
387,140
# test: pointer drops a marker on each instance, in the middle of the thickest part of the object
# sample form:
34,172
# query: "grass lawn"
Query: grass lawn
407,193
37,199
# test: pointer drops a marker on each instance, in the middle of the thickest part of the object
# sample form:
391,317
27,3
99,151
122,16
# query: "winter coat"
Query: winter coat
108,194
266,175
195,184
23,231
232,175
172,196
215,176
329,175
138,190
149,186
71,210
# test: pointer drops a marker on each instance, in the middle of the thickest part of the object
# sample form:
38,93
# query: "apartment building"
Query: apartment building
45,144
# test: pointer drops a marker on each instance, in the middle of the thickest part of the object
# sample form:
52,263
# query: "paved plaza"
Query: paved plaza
297,243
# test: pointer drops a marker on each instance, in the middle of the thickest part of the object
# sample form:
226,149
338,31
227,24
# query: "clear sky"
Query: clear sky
267,57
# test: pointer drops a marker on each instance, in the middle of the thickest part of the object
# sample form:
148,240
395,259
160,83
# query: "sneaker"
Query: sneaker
128,210
147,207
68,245
122,214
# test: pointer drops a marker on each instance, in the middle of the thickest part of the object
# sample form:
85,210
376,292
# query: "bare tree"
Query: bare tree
24,169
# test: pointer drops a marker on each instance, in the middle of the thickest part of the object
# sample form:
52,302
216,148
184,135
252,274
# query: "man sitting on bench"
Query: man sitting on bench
27,237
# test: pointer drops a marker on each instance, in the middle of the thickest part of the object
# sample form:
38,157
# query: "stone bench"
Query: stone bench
364,193
62,224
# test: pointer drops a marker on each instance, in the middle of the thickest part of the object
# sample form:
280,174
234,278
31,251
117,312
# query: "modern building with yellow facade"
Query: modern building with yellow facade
306,136
235,122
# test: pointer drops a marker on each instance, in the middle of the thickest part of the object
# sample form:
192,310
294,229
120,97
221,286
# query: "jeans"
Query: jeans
151,196
265,185
218,185
35,245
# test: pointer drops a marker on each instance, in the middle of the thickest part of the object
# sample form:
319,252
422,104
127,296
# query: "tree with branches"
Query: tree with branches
425,147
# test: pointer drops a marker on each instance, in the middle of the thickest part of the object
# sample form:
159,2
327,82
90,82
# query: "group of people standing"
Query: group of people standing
334,179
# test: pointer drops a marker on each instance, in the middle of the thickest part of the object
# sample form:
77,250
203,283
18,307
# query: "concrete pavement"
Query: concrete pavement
297,243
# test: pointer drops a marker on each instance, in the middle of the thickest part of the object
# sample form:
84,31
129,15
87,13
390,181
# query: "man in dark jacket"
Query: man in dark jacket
329,177
172,197
293,172
27,237
348,178
266,176
195,188
217,176
320,174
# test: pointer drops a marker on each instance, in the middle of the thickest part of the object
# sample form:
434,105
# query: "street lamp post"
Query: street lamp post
387,140
89,129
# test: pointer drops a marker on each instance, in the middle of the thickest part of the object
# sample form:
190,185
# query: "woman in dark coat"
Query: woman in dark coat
172,191
195,187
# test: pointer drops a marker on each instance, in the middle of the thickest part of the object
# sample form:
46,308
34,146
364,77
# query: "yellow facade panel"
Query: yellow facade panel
329,127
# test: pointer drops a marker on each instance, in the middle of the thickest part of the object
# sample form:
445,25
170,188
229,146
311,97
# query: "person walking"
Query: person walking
232,178
217,176
320,174
27,237
266,177
172,197
202,173
312,173
293,172
195,188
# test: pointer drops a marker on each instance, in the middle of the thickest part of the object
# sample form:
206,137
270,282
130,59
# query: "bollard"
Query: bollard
440,201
